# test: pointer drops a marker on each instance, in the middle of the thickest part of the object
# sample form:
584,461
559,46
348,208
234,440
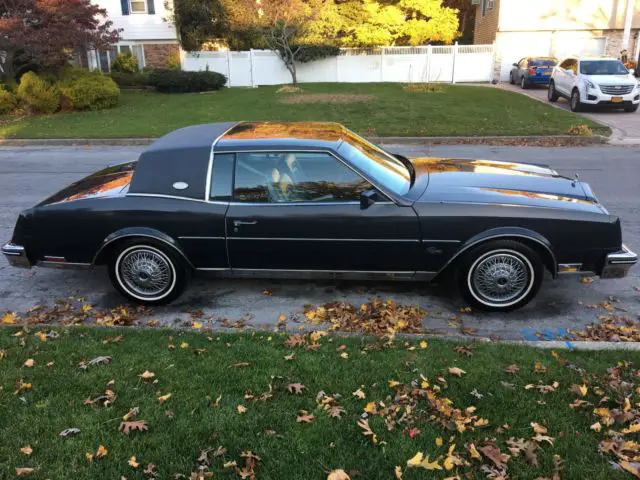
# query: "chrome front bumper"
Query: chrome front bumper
617,264
16,255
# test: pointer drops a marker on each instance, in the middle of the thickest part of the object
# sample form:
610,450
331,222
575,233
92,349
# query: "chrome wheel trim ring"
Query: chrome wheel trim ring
510,274
145,272
550,91
522,82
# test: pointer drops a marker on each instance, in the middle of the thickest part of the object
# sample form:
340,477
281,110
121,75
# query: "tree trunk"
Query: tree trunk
8,68
294,75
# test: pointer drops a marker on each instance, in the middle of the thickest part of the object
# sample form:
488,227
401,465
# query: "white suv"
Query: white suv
596,81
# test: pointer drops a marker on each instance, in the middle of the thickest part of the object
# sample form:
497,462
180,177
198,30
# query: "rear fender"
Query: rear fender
133,232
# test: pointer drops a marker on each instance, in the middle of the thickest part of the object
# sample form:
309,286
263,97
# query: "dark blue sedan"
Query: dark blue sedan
532,71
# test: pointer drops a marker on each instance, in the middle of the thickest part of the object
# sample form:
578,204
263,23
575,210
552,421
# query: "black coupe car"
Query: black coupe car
316,200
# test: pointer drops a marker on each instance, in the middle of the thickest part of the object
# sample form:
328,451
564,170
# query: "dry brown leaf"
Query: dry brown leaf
26,450
359,394
101,452
305,417
241,409
336,411
133,462
537,428
512,369
147,375
338,475
398,472
632,467
579,389
464,350
494,454
139,425
164,398
543,438
295,388
24,471
240,364
458,372
363,423
30,362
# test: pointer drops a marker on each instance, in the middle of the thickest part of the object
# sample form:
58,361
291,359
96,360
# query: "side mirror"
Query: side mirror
367,198
632,71
515,64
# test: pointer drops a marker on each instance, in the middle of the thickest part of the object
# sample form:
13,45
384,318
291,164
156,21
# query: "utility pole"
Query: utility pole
627,24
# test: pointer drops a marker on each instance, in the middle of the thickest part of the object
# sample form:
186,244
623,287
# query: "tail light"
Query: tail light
532,70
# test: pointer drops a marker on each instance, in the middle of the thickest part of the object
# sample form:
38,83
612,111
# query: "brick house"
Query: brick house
558,28
145,33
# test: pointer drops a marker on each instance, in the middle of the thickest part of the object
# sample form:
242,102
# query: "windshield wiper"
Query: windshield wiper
407,163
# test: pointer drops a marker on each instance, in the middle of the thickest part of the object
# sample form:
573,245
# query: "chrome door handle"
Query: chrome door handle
237,223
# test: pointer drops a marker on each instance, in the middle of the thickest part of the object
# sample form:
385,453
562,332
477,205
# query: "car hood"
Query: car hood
485,181
626,79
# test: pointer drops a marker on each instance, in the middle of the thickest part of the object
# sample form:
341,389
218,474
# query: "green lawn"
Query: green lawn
456,110
197,368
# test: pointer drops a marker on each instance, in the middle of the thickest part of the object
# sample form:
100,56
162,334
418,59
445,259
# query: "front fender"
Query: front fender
510,233
132,232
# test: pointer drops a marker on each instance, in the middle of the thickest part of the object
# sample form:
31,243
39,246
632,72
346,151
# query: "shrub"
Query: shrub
581,130
37,94
91,93
8,100
125,62
126,79
173,61
177,81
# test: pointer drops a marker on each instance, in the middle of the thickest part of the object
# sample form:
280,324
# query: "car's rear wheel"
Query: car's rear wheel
575,103
552,95
511,80
632,109
523,82
500,275
148,273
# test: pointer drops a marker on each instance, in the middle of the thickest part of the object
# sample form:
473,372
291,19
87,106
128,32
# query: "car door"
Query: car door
565,75
301,211
522,69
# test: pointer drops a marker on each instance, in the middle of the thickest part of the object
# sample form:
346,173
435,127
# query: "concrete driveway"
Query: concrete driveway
625,126
27,175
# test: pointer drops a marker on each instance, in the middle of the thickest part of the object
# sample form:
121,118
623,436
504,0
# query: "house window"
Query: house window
138,6
484,7
490,4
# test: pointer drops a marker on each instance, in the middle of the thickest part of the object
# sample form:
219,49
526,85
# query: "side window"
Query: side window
285,177
221,177
523,63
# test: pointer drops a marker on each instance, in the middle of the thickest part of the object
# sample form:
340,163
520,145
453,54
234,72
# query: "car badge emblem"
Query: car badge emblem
180,185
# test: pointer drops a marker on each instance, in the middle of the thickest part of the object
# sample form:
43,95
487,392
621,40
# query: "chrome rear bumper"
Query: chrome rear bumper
16,255
617,264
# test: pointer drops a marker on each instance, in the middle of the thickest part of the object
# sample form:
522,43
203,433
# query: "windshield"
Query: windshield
602,67
381,167
542,62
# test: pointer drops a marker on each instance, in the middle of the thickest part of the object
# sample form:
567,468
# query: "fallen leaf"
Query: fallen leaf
363,423
102,360
30,362
512,369
463,350
101,452
147,375
458,372
423,345
336,411
139,425
632,428
184,345
304,417
370,407
415,460
240,364
24,471
69,432
537,428
133,462
398,472
631,467
9,318
196,325
289,357
241,409
231,464
295,388
495,455
543,438
359,394
344,355
164,398
338,475
579,389
473,451
26,450
538,367
596,427
439,441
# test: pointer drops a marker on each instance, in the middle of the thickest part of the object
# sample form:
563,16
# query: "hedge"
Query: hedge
37,94
178,81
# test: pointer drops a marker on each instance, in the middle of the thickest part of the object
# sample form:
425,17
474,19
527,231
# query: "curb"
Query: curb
579,345
536,140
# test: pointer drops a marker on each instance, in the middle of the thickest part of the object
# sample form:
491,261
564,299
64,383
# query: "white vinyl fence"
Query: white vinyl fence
450,64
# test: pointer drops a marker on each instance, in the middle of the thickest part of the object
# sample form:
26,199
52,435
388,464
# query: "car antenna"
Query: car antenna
576,178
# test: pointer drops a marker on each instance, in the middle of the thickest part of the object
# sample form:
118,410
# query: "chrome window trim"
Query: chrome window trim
384,191
162,195
501,235
381,272
63,265
207,185
291,239
214,269
201,238
440,241
301,204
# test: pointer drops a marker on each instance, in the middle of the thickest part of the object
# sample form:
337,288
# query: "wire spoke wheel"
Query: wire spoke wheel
146,272
500,278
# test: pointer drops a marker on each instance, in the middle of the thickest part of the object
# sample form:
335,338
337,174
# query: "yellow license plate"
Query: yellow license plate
616,99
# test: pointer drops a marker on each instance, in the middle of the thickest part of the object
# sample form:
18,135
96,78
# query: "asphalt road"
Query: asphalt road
27,175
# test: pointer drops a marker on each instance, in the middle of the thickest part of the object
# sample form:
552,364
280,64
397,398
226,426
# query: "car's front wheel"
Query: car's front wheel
147,272
500,275
575,103
552,94
523,82
511,80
